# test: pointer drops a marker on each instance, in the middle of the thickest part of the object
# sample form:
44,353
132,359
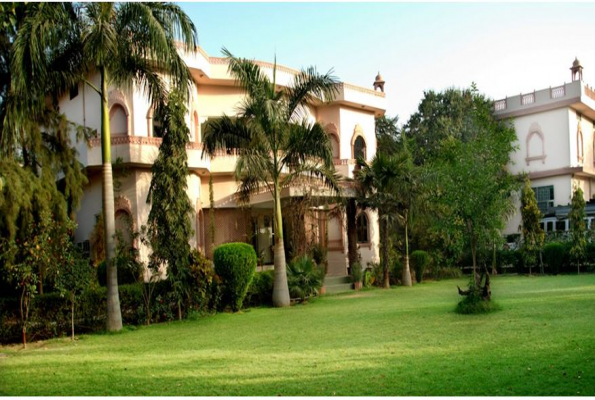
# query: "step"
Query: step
336,280
339,288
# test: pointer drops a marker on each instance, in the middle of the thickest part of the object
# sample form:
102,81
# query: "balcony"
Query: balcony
142,151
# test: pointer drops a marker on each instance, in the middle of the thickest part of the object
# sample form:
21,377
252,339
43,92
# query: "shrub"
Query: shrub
395,270
368,278
473,303
506,260
553,256
447,273
260,291
419,262
235,263
205,292
377,273
304,278
318,253
125,276
356,272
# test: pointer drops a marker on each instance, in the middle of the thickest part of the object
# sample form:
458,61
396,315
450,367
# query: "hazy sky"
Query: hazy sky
505,48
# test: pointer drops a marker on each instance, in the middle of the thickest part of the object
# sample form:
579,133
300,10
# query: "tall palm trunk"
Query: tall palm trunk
114,314
280,288
384,250
406,276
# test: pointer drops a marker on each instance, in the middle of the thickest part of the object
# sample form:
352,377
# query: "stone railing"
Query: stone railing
140,140
500,105
589,92
528,98
557,92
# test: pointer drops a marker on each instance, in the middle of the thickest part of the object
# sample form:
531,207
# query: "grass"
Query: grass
403,341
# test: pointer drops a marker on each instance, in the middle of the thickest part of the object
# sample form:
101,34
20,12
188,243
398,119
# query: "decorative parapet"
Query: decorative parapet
140,140
550,97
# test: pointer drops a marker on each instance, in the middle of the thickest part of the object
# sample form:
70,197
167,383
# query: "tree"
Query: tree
388,135
276,144
169,226
393,186
467,152
73,276
533,235
35,139
127,44
578,228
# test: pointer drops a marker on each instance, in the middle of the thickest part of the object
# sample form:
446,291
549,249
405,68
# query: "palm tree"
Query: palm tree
275,143
391,185
127,44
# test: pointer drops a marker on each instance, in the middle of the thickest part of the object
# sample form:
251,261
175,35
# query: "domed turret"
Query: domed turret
379,82
576,70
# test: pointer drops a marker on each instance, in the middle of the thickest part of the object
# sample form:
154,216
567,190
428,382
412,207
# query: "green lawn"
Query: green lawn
404,341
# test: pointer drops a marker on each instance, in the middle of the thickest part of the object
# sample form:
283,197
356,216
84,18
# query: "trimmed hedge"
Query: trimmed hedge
260,291
419,260
235,264
553,256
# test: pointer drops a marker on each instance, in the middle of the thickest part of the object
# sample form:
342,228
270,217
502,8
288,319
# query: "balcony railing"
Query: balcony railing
528,98
140,140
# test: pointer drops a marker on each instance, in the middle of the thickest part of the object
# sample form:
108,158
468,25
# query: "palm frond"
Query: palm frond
254,170
226,133
307,141
248,75
309,85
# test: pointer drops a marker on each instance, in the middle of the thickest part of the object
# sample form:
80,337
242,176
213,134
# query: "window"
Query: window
74,91
359,148
118,120
545,198
158,127
561,225
362,228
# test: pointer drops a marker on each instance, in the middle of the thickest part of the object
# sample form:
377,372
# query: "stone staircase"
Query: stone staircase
338,284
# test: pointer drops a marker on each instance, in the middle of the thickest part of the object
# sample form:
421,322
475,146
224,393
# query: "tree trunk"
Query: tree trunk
72,315
280,288
406,275
179,311
541,269
384,251
494,260
351,232
24,337
474,256
114,314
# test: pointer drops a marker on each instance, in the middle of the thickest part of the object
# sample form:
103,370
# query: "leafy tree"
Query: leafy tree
387,135
276,144
468,151
126,44
533,235
578,228
35,139
74,274
169,225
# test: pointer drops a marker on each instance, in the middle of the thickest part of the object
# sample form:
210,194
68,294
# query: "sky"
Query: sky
505,48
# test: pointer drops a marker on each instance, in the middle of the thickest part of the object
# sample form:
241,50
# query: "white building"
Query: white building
349,120
555,129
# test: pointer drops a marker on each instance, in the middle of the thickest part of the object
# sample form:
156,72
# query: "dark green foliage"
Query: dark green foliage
473,303
368,280
169,226
387,135
447,273
205,285
396,269
356,272
553,256
304,278
533,235
318,253
419,260
260,291
235,263
578,228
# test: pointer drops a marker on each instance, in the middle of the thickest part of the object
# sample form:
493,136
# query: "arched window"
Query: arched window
363,231
359,148
335,145
535,143
124,226
118,120
196,127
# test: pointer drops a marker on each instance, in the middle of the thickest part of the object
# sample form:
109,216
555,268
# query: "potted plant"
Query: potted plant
356,276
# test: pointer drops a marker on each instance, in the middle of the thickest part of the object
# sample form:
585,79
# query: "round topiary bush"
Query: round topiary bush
553,256
419,260
235,264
